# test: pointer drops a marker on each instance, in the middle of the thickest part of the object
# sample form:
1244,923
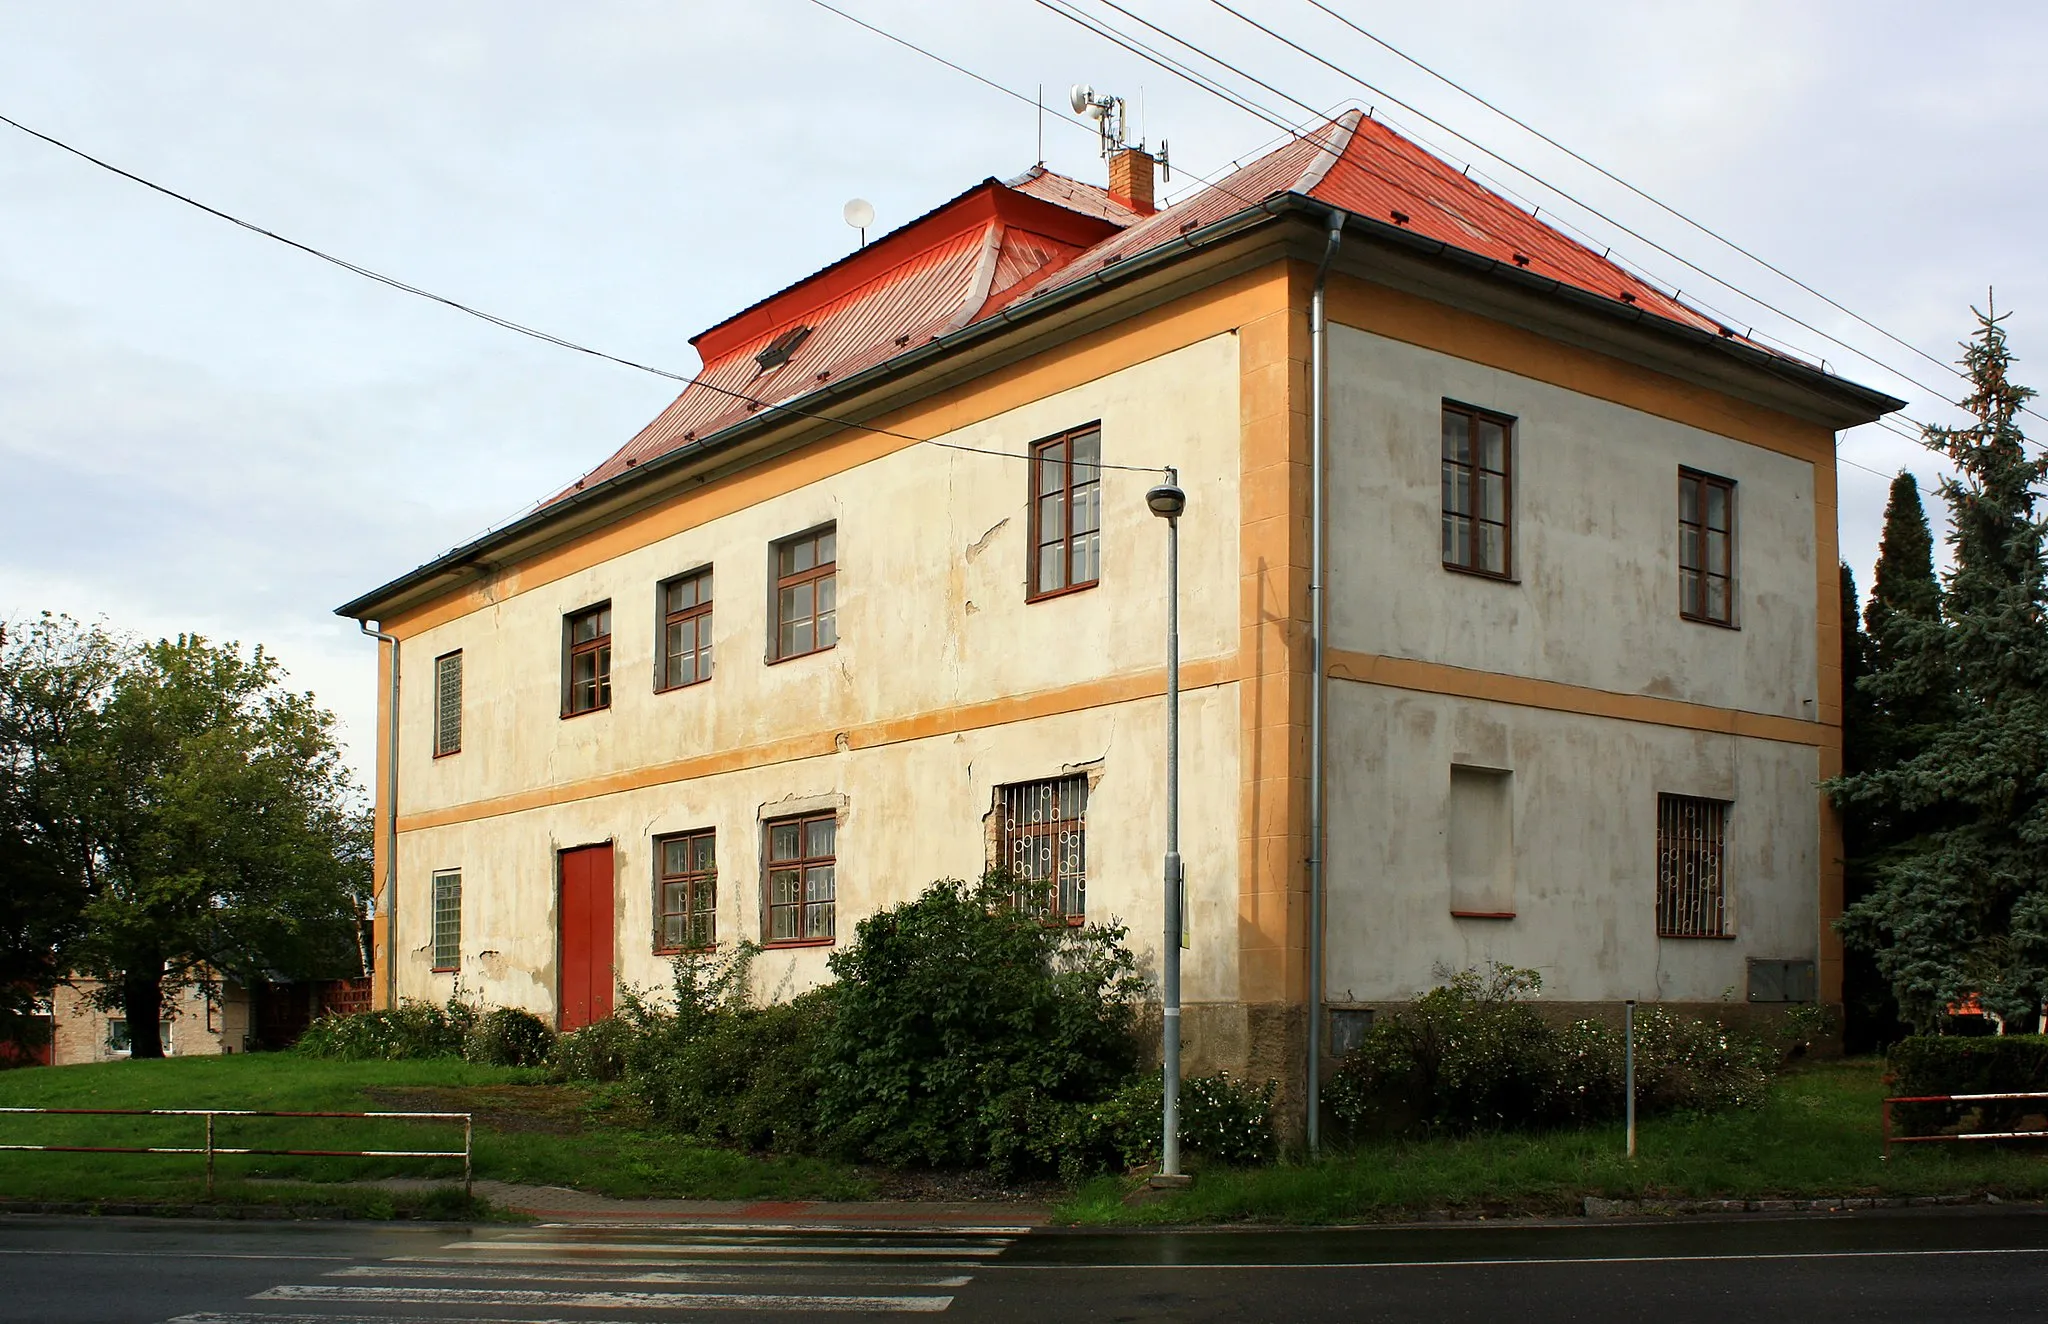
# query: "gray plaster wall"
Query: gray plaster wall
1592,602
1594,595
1583,799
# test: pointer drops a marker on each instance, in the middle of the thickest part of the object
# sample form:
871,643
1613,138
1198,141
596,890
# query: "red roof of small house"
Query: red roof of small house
998,245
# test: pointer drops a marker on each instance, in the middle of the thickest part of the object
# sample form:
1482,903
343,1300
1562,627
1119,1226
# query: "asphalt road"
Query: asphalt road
1951,1266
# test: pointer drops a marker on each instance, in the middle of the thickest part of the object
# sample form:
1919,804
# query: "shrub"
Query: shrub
508,1037
1688,1065
710,1064
1472,1056
412,1030
1993,1064
597,1052
964,1023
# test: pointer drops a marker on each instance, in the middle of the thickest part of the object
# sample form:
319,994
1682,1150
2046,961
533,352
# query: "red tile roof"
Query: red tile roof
999,245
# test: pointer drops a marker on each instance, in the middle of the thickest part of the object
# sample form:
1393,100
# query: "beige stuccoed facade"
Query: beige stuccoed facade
1544,711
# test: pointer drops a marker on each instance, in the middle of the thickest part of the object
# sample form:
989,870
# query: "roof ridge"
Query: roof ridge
1345,126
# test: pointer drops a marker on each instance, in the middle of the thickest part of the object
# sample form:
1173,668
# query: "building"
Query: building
198,1021
878,600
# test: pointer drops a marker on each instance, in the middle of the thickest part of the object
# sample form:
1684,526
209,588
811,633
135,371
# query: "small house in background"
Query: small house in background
196,1024
878,600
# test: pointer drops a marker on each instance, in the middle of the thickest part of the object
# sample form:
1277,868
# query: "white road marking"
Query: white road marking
716,1248
172,1254
961,1230
434,1296
883,1276
664,1262
1511,1262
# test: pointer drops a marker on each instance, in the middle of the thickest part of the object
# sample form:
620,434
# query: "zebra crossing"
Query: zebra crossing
572,1273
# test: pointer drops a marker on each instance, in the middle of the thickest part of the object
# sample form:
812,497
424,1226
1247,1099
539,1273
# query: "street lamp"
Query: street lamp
1167,501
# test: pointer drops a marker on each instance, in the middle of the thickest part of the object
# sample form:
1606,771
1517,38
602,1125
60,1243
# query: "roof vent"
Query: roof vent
1626,297
1521,259
783,348
1400,217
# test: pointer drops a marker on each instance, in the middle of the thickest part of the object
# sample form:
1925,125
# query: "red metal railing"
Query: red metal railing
1890,1139
210,1149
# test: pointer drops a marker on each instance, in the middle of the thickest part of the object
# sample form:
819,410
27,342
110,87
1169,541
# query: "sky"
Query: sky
202,430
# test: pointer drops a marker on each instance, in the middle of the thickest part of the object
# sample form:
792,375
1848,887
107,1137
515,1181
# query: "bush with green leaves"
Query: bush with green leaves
1471,1055
595,1053
1684,1064
710,1064
411,1030
1474,1055
1977,1064
963,1024
1222,1118
509,1037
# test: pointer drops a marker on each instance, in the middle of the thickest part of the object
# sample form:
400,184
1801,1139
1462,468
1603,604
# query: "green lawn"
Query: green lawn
527,1131
1817,1136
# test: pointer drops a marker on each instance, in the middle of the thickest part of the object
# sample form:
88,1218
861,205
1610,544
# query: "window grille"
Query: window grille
687,887
448,919
1478,507
447,704
1042,843
589,677
686,630
1706,548
802,865
806,594
1692,887
1066,512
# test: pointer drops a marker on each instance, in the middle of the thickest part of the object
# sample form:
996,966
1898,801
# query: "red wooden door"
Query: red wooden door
584,936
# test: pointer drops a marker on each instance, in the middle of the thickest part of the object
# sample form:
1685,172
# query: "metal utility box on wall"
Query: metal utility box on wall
1781,981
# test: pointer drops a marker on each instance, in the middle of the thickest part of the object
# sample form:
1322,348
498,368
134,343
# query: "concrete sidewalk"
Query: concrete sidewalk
559,1204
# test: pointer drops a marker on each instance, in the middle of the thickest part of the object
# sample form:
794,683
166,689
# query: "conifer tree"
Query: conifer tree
1959,901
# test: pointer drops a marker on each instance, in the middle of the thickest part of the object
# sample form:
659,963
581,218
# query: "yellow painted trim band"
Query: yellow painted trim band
1125,688
1522,691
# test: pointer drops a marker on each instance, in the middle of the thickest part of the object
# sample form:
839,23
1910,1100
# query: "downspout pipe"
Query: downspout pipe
390,819
1318,716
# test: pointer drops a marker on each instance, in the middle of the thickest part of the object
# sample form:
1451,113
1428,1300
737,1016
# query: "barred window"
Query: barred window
1692,885
1706,548
1066,512
686,630
587,680
806,594
448,704
1042,843
802,883
687,891
1478,507
447,919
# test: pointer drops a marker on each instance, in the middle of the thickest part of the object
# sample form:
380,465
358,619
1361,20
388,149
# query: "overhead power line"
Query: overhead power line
520,328
1658,203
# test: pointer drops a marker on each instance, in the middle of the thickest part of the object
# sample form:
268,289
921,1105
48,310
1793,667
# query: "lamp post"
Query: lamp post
1167,501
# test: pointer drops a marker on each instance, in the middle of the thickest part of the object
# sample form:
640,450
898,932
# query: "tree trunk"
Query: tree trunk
142,998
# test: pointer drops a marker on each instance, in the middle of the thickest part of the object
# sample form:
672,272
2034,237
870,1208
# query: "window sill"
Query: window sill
686,685
1482,574
797,942
687,951
447,753
793,657
447,969
1482,914
1697,937
585,712
1708,620
1066,592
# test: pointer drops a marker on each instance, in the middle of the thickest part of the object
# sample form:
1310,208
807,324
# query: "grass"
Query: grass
1817,1136
527,1131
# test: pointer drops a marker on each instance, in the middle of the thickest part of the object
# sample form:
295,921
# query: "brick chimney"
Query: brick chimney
1130,179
